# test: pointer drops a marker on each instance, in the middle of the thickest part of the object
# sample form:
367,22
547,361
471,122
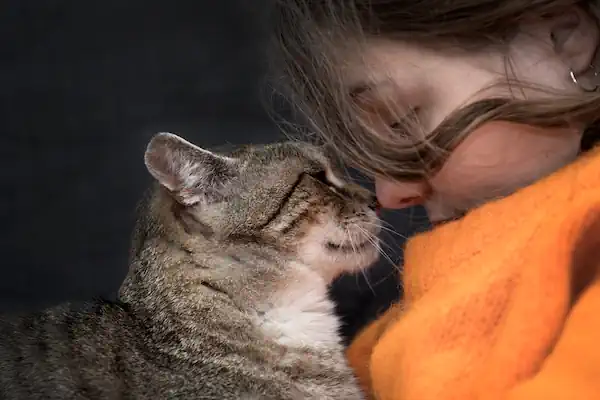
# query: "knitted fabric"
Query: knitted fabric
502,304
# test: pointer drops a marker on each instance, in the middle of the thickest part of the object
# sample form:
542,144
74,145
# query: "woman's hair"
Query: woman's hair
313,41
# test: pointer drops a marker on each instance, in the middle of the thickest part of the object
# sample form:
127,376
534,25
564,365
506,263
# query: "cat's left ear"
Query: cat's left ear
189,172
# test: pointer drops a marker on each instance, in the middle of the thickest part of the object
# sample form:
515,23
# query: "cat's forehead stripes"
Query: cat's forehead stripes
306,157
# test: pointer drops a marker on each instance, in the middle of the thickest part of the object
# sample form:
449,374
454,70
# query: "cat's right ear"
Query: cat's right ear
189,172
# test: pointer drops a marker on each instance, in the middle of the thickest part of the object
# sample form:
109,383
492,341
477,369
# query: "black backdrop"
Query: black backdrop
84,85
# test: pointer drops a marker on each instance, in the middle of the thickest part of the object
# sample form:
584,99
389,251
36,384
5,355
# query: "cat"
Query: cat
226,295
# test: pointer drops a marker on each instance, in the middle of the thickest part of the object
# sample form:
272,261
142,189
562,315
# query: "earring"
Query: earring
588,81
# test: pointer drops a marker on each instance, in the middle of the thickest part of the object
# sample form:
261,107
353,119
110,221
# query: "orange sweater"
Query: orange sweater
503,304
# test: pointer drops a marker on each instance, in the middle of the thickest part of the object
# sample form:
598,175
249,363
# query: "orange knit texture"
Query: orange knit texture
503,304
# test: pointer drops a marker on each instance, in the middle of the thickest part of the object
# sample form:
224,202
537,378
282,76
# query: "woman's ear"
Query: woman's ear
557,50
573,36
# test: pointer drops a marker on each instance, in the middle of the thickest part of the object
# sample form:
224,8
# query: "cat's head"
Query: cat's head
284,195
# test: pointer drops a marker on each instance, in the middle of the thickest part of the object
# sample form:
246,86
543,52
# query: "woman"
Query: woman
477,110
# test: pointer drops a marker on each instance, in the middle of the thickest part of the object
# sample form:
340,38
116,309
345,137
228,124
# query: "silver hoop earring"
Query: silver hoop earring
588,81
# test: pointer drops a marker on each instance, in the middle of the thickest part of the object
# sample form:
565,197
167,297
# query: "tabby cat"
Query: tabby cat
226,296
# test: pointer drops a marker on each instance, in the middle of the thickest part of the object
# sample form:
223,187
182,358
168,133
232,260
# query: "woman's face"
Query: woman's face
499,157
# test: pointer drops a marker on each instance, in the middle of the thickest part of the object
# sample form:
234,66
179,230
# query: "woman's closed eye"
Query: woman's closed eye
408,119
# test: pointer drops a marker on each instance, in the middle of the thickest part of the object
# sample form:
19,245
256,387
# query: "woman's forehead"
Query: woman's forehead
380,63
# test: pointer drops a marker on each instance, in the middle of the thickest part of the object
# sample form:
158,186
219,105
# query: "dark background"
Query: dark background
84,85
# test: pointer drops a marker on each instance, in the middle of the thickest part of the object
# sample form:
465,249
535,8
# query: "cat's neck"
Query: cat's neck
251,290
300,314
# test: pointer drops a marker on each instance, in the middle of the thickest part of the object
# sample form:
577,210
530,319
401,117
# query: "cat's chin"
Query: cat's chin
331,260
353,258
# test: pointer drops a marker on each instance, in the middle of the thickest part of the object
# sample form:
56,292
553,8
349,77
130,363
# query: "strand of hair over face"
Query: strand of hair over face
314,41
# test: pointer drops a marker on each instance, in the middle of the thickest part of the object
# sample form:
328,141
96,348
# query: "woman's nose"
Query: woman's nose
396,195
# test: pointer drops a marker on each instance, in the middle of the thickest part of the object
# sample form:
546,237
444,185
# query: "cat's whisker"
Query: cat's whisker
377,243
383,222
388,258
362,271
387,229
352,243
364,274
382,279
382,242
372,239
386,244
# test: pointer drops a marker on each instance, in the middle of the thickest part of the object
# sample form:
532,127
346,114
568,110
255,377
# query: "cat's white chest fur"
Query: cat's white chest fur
301,314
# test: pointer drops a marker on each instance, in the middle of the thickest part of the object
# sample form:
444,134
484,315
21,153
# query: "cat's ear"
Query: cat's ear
189,172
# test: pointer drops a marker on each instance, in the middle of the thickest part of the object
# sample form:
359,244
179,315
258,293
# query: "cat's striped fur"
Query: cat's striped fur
226,297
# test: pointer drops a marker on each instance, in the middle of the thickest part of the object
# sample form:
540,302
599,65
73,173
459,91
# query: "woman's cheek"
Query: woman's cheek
500,157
